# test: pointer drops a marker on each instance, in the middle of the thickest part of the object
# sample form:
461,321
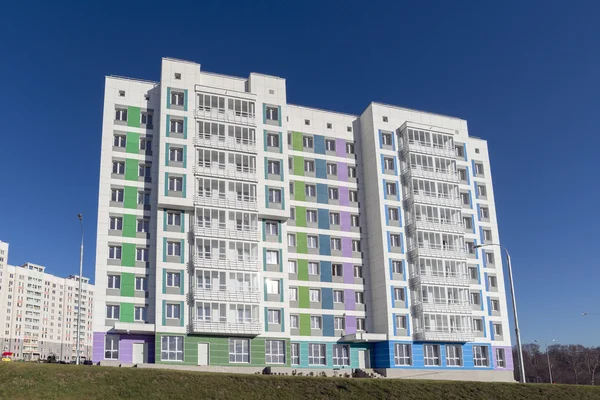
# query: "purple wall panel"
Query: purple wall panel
507,354
340,147
349,300
346,247
350,324
345,221
348,272
98,347
342,171
344,196
125,347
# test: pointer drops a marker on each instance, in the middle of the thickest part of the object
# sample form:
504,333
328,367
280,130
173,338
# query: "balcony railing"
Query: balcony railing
437,250
226,171
428,148
222,326
223,293
421,196
444,335
440,174
223,201
227,232
237,264
232,117
431,277
226,143
442,306
440,224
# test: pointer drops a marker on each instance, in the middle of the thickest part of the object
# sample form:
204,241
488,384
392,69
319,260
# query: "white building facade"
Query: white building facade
238,231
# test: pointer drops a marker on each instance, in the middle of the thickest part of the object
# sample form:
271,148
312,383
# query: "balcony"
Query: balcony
440,174
221,200
447,335
226,143
236,264
227,232
446,225
428,148
441,199
437,250
431,277
442,306
222,326
223,115
229,171
222,293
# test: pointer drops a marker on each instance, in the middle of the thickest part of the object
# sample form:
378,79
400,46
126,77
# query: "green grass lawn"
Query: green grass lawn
51,381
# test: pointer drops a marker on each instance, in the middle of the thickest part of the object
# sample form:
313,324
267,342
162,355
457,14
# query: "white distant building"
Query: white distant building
38,313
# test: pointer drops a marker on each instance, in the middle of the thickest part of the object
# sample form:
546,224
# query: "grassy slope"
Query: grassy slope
44,381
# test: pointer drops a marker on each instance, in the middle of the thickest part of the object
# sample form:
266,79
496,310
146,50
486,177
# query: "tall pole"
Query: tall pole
79,298
517,332
549,366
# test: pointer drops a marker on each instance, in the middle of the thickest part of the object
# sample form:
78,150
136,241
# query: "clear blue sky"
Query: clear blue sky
525,77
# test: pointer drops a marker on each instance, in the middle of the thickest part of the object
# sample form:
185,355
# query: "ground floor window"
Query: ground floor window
453,355
239,350
171,348
275,351
316,354
402,354
500,360
480,356
295,350
111,347
341,354
431,354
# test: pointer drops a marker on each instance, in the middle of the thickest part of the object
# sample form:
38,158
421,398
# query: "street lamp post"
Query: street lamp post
514,305
79,298
548,358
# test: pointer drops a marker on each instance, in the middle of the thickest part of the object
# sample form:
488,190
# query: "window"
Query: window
112,311
341,355
175,184
336,270
481,190
400,321
395,240
354,221
487,235
399,294
116,223
402,354
468,222
331,169
173,279
349,128
358,273
271,228
356,246
274,167
291,167
479,169
477,325
338,296
390,188
334,218
146,145
316,354
118,167
144,171
489,258
273,257
476,151
462,174
294,321
292,267
173,311
174,249
272,113
475,299
121,114
431,354
111,347
309,166
176,154
142,254
141,283
350,146
313,268
177,76
492,281
292,239
273,140
329,125
460,151
360,324
359,297
333,193
315,322
120,141
315,295
171,348
173,218
176,126
295,350
498,329
336,244
114,282
114,252
177,98
312,242
500,358
274,351
480,356
293,294
470,247
353,196
473,274
147,119
307,122
339,323
143,198
139,314
466,200
273,286
388,163
453,355
386,139
143,225
352,172
397,267
495,305
385,119
274,316
311,215
330,144
484,213
274,195
307,142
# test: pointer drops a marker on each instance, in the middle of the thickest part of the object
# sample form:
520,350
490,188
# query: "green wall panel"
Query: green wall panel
301,243
129,225
130,197
126,312
299,165
131,169
304,324
128,255
297,141
303,297
299,193
132,143
302,270
301,216
133,116
127,284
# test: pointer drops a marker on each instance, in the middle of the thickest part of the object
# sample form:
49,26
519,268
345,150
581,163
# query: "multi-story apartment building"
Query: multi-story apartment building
38,313
236,230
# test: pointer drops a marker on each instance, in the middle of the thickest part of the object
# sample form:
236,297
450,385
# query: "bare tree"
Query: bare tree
591,362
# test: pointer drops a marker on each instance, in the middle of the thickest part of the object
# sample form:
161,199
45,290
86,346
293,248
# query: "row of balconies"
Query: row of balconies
443,199
225,327
230,171
227,263
427,148
227,200
226,143
421,171
224,230
446,225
